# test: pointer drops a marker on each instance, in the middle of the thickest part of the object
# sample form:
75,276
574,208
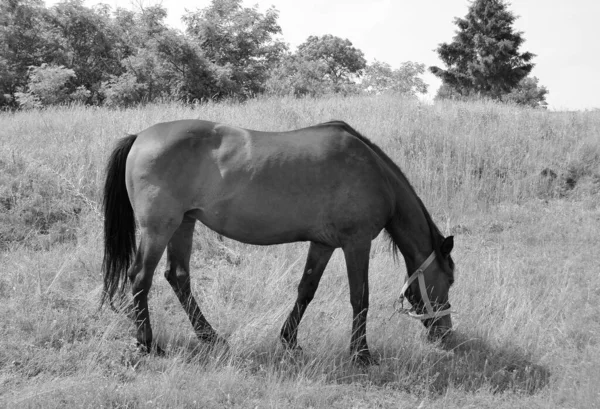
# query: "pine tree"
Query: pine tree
483,59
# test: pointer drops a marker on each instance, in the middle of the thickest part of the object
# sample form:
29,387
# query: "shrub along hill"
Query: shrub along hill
519,188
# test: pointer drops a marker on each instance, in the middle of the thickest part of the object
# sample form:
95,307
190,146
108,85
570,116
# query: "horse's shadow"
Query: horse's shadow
466,363
463,362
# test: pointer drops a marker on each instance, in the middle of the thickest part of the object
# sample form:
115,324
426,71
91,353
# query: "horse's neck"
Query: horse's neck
410,232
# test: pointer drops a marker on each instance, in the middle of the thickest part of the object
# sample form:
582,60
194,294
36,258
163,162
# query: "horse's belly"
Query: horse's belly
283,218
292,202
253,227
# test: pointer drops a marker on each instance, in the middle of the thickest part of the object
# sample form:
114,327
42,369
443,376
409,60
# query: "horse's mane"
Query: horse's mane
436,235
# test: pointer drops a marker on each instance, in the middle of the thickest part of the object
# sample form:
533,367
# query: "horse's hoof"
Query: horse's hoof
158,351
150,350
290,345
216,343
364,359
294,352
288,340
221,344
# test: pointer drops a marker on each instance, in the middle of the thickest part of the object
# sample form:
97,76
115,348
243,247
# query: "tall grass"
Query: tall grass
519,188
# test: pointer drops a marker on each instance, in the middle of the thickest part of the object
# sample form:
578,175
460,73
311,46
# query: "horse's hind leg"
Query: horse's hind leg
179,251
318,257
153,240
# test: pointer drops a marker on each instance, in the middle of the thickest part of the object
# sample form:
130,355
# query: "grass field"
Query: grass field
519,189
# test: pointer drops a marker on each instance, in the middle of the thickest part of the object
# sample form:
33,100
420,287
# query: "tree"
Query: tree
239,41
147,75
160,63
87,42
193,77
24,42
341,59
298,77
123,90
47,86
484,59
528,93
379,78
445,91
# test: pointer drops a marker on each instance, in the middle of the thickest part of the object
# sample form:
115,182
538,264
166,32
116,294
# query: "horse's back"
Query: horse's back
318,183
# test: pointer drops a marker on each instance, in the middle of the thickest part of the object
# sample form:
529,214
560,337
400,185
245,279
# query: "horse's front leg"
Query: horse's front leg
357,263
318,257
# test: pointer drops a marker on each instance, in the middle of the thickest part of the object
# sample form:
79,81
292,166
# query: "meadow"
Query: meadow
519,189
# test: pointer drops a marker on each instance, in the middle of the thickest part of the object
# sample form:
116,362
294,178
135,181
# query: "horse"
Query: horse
326,184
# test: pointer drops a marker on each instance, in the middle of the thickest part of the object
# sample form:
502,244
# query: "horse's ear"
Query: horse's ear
447,246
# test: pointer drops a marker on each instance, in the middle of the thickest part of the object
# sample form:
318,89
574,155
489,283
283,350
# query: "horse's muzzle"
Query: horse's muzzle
438,328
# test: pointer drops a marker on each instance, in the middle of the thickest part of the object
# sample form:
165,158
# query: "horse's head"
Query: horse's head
427,291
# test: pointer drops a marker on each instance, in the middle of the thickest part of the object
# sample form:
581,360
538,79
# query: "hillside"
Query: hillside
519,189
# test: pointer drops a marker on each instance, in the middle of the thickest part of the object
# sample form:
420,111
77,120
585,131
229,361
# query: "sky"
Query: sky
564,35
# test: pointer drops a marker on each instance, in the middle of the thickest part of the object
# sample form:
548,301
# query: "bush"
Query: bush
123,90
81,94
528,93
46,86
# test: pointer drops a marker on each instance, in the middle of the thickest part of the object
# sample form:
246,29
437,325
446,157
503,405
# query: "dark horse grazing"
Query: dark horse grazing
326,184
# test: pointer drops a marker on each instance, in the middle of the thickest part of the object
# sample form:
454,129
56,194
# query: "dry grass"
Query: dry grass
518,188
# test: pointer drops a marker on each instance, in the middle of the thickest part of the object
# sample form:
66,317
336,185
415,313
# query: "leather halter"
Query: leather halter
419,275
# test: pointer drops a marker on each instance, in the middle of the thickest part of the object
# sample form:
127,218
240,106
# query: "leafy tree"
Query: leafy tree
147,74
47,86
239,41
445,91
192,75
379,77
6,75
70,52
162,63
529,93
81,94
88,42
483,58
299,77
343,61
123,90
24,42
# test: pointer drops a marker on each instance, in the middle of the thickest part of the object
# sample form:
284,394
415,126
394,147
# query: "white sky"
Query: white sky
564,35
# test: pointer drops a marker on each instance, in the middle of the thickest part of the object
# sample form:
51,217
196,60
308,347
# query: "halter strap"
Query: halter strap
419,275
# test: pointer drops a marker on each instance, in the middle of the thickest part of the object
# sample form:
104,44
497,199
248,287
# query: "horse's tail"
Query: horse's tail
119,223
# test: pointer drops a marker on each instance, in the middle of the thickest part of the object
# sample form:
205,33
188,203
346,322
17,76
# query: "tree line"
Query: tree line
100,56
